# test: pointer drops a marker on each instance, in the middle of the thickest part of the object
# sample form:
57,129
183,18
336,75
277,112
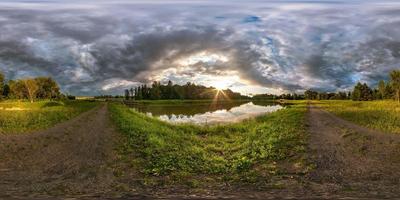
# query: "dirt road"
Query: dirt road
351,160
71,158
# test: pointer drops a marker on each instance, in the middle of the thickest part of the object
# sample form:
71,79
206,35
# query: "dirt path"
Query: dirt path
71,158
352,160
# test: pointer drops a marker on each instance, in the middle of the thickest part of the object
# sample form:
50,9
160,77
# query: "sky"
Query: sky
257,46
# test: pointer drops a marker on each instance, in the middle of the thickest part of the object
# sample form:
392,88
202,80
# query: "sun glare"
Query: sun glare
220,85
223,82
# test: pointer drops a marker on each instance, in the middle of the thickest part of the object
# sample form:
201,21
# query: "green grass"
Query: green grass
247,152
20,117
379,115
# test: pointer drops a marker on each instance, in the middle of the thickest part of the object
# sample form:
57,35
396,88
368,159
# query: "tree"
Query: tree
1,84
17,89
395,83
170,90
155,92
188,91
340,96
310,95
127,94
31,88
6,91
382,89
131,93
47,88
362,92
139,93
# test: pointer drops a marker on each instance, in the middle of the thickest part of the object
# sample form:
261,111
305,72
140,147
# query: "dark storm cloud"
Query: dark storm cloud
91,47
146,49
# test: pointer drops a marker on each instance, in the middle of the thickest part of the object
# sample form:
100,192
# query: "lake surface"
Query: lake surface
207,113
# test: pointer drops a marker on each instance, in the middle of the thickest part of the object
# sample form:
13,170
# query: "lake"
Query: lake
207,113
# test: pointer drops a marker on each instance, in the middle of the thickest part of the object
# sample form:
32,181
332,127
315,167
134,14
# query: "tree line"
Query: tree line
360,92
29,88
190,90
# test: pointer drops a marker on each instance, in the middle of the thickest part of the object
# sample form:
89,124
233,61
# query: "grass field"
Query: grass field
20,117
252,151
380,115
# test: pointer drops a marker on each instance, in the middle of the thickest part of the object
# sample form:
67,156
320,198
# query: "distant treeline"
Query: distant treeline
361,92
173,91
30,88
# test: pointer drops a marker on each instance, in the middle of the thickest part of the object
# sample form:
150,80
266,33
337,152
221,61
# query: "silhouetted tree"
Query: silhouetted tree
131,93
127,94
155,92
187,91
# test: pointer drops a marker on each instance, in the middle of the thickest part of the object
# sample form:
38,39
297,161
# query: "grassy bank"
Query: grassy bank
252,151
379,115
20,117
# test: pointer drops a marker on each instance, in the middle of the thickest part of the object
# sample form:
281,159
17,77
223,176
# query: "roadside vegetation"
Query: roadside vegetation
377,108
20,117
381,115
34,103
253,151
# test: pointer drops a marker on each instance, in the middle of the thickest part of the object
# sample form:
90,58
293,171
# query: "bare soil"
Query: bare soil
77,159
74,158
351,160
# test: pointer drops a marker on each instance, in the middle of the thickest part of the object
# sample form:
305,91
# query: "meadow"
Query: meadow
383,115
21,116
252,151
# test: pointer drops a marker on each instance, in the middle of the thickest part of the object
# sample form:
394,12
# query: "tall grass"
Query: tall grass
20,117
379,115
249,151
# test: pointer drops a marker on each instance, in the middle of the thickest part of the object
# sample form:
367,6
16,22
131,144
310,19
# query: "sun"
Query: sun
221,85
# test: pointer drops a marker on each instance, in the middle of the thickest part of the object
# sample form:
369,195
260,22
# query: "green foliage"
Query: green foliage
382,88
48,88
362,92
33,88
395,83
231,152
188,91
6,90
19,117
1,84
310,95
380,115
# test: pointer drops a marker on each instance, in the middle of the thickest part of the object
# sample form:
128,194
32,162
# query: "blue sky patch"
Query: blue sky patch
251,19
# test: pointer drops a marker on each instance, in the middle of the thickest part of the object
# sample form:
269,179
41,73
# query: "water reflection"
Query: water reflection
203,113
